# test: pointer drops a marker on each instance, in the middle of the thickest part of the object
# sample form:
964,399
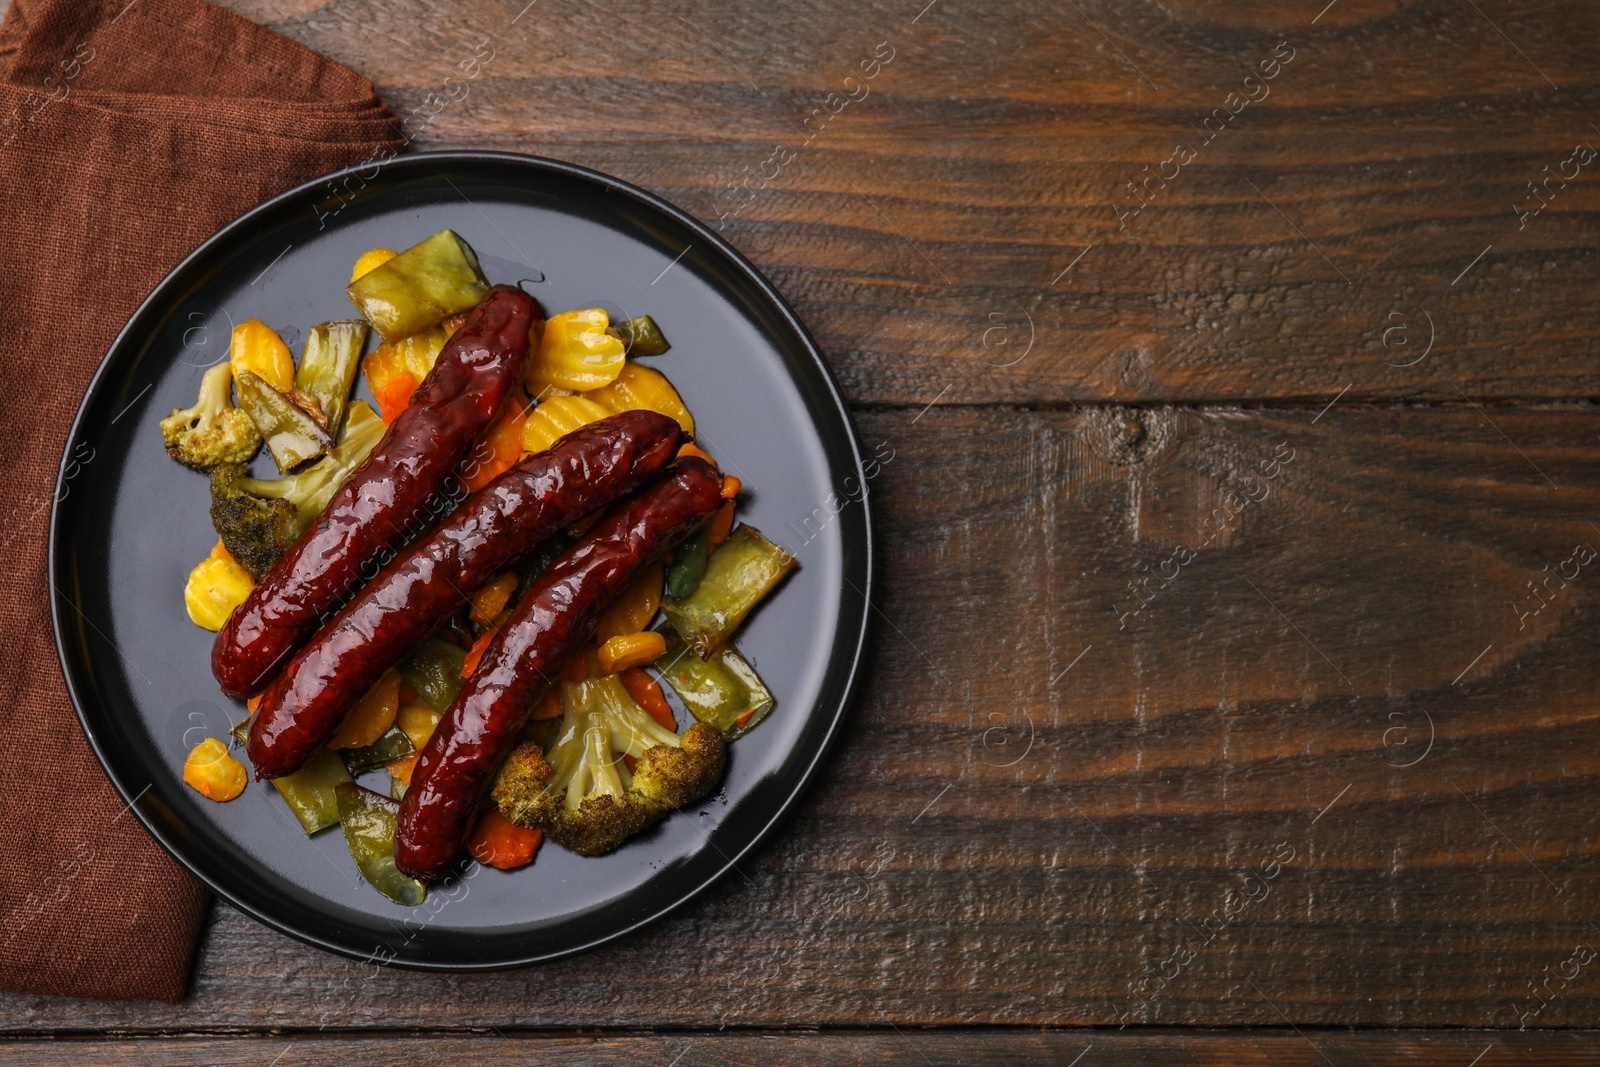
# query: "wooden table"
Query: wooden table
1236,664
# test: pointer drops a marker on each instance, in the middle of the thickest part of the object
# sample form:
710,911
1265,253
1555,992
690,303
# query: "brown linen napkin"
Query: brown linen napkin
129,132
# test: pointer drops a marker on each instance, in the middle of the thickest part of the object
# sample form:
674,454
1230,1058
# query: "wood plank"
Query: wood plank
1328,774
1366,204
913,1049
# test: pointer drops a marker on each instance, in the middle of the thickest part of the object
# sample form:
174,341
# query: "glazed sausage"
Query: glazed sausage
553,620
405,481
586,470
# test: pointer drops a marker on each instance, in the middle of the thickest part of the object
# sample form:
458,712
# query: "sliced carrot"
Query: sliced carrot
491,600
630,762
730,486
647,694
498,842
220,551
253,703
549,706
400,770
501,446
693,450
742,719
479,647
396,395
721,524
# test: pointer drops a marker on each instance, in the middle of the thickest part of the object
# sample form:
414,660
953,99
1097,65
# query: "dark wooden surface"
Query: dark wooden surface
1332,770
909,1048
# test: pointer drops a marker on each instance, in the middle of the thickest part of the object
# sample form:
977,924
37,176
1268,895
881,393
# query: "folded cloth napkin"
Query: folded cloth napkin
129,132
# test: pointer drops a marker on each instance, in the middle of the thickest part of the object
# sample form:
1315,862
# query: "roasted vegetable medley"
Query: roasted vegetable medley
590,758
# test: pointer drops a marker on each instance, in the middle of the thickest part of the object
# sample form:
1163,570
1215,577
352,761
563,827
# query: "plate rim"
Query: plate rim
421,160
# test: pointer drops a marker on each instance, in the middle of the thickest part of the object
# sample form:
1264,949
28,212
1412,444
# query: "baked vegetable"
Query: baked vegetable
434,671
641,335
576,353
309,792
689,565
213,773
368,821
256,347
394,745
292,433
581,793
394,371
724,692
328,368
639,387
420,287
557,416
258,519
738,575
215,587
213,431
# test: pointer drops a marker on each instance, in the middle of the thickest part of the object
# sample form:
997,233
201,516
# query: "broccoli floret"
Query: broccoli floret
259,519
581,793
213,431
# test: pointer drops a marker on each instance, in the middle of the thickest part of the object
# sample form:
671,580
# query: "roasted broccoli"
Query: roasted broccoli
213,431
259,519
581,792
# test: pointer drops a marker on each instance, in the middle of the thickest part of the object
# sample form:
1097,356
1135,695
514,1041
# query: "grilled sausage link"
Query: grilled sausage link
553,620
586,470
378,507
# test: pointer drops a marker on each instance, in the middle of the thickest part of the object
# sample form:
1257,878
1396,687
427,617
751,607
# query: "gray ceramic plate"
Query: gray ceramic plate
130,523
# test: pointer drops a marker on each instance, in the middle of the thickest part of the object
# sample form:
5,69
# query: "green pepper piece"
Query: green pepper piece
743,569
420,287
328,367
241,731
368,819
642,336
689,564
393,745
434,671
309,792
293,436
724,692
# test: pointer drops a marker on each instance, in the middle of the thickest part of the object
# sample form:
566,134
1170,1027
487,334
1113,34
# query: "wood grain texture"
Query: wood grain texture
1048,810
1328,760
909,1049
1316,240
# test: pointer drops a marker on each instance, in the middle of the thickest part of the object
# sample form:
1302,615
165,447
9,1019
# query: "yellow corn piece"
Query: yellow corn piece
631,650
372,715
370,261
635,609
556,417
213,773
640,388
255,346
214,589
576,353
